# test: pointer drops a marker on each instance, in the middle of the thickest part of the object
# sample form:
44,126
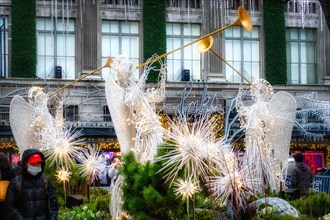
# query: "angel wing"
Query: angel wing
119,113
21,118
282,112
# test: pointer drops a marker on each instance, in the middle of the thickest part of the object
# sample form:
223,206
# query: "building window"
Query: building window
4,113
242,52
71,113
183,4
302,7
106,114
301,55
55,48
186,59
120,38
122,2
251,5
3,46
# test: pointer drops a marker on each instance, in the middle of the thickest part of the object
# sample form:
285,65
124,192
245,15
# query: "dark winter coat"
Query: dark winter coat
34,199
301,178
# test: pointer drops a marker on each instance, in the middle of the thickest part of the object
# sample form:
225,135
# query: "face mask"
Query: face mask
34,170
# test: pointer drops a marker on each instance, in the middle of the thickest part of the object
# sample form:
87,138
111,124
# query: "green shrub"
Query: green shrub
145,194
95,208
83,212
315,205
203,214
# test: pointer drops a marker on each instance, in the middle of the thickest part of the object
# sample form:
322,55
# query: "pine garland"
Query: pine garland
23,63
275,42
154,32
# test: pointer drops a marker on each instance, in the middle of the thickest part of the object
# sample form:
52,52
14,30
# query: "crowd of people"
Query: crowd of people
30,194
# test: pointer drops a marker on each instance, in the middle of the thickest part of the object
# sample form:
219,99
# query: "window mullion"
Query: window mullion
299,57
242,54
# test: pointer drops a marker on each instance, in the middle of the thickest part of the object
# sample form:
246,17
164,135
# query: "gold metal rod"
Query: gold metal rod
243,20
220,57
107,64
186,45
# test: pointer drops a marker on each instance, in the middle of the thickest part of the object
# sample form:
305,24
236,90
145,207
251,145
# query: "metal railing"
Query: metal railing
321,183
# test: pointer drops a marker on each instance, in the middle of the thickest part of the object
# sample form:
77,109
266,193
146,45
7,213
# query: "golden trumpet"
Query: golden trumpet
243,19
108,64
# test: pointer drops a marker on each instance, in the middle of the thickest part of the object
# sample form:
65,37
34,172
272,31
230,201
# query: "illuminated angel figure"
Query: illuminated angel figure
268,121
133,109
34,126
28,119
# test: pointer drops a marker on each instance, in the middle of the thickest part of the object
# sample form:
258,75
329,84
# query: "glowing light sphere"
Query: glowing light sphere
63,175
185,188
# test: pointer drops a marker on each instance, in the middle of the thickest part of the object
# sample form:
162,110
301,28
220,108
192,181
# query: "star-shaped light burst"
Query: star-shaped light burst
63,175
189,150
185,188
235,180
59,145
92,163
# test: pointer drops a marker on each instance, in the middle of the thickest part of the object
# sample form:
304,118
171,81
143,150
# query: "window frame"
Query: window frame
184,39
55,34
120,34
4,47
299,42
242,38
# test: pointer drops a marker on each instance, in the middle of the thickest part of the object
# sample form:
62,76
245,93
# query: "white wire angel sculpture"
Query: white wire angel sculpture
133,109
268,121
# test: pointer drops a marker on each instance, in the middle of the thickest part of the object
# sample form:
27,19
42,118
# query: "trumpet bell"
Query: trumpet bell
244,19
205,44
109,62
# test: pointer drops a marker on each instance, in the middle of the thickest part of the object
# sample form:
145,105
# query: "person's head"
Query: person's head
33,162
298,157
116,161
4,162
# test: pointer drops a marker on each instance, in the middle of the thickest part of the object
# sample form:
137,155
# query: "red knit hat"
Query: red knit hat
35,158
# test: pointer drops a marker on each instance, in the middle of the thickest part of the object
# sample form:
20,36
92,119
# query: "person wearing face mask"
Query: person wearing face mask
31,195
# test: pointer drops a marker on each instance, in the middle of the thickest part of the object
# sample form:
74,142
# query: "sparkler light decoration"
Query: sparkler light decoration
63,175
59,145
91,163
190,147
234,184
185,188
